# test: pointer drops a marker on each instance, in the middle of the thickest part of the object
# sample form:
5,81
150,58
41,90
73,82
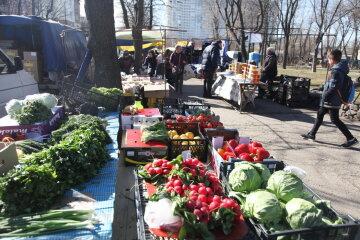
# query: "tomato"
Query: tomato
233,143
241,148
246,157
229,155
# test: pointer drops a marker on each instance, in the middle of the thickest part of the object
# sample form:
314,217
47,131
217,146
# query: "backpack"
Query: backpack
347,90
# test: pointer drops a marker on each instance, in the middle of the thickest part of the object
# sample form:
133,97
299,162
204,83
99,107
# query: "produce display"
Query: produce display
34,108
200,209
280,200
252,152
44,175
173,134
155,132
105,97
29,146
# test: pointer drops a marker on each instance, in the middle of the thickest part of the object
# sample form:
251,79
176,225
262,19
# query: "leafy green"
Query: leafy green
33,112
285,186
244,178
156,132
29,189
264,206
105,97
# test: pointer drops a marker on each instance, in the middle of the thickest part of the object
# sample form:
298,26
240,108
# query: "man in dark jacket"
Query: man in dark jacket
211,61
269,71
331,99
178,61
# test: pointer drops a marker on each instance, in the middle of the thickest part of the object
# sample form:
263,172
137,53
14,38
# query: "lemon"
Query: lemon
176,137
192,143
185,143
190,135
197,137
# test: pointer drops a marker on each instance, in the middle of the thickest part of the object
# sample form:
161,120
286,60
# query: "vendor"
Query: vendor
126,62
269,71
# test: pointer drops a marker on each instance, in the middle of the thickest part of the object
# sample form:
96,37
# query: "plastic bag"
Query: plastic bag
300,173
160,215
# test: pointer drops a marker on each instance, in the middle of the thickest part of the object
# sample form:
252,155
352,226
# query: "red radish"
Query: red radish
193,198
242,148
158,170
202,198
233,143
246,157
177,183
166,171
214,205
151,171
202,190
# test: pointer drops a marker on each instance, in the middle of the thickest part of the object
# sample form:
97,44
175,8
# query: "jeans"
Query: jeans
334,116
208,82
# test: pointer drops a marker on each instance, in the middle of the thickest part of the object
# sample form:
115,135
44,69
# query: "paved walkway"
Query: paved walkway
332,172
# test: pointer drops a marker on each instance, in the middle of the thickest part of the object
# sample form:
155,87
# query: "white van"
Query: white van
15,82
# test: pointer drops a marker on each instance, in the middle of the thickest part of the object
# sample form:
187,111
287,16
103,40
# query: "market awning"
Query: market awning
151,38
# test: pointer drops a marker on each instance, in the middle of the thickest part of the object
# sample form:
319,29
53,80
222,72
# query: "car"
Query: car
15,82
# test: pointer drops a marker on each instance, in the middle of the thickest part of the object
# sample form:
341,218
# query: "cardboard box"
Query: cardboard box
137,152
8,157
144,115
34,131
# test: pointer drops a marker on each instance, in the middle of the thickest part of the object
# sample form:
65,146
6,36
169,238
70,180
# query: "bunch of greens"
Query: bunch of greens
46,222
157,132
105,97
79,122
30,146
29,189
33,112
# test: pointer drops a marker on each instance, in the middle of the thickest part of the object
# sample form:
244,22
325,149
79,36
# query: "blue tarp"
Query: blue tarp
36,34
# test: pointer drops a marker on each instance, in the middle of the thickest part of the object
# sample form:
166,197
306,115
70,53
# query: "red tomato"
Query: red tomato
180,118
229,155
233,143
246,157
221,152
242,148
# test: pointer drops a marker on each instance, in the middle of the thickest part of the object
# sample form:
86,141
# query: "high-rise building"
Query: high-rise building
194,18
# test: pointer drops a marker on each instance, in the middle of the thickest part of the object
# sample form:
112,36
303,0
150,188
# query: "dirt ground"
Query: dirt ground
332,172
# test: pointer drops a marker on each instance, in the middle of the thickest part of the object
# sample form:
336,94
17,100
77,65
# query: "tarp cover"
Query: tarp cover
35,34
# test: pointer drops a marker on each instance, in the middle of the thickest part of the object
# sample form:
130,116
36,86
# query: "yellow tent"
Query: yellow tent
151,38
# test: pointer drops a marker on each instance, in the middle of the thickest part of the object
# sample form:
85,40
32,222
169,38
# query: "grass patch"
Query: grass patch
317,78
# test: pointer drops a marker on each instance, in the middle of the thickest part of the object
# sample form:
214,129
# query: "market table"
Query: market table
235,88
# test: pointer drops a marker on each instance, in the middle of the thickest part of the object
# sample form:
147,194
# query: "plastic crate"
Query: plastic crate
293,90
346,231
169,107
227,133
191,104
198,147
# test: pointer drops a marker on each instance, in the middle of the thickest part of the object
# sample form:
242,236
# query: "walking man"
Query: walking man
178,62
211,61
331,99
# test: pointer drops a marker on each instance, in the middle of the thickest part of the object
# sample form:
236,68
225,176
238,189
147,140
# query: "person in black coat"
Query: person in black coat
331,99
269,70
151,63
210,62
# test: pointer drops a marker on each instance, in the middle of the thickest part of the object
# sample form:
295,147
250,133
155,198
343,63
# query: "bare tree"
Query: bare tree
325,15
286,14
100,15
355,22
238,21
125,14
137,26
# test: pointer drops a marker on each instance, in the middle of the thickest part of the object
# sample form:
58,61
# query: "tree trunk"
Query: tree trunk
286,50
32,7
125,14
314,61
19,7
100,15
243,45
137,34
355,47
151,15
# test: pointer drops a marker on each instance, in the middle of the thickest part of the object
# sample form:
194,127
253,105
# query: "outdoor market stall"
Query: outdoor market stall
239,86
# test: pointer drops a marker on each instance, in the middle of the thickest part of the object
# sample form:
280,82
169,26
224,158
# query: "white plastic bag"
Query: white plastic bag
160,215
300,173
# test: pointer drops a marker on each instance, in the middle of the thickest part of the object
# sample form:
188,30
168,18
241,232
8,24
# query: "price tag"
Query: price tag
186,154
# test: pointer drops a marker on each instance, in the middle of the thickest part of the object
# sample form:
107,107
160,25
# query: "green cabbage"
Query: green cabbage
264,206
13,107
244,178
285,186
263,171
303,214
49,100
